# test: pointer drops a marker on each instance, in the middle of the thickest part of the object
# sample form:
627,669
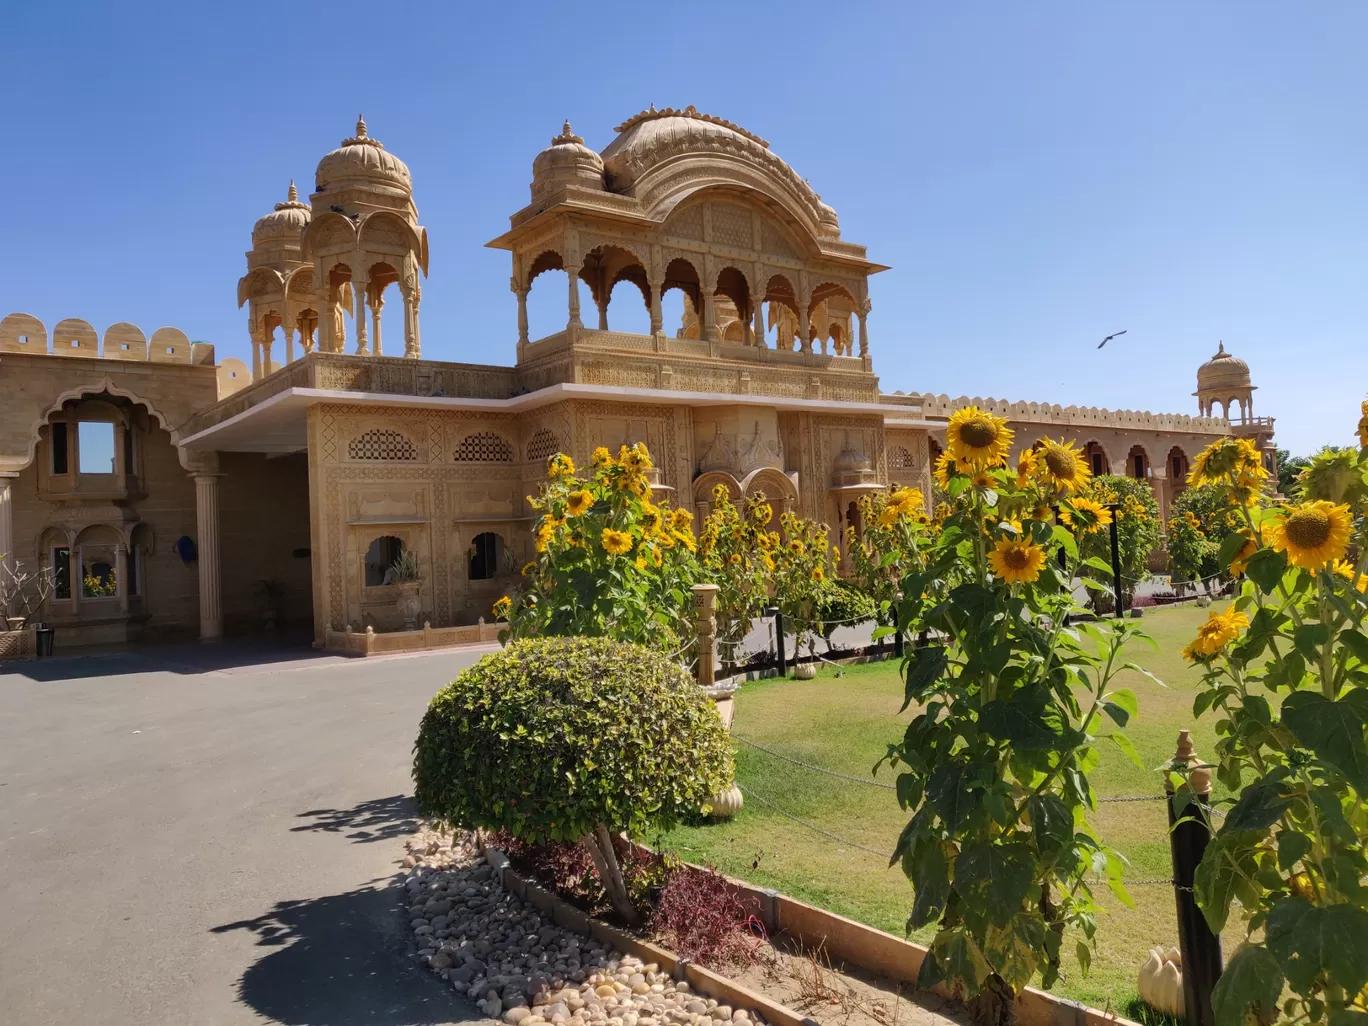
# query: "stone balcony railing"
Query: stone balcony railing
666,345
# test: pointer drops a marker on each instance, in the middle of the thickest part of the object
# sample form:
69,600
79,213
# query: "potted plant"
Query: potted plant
405,574
22,594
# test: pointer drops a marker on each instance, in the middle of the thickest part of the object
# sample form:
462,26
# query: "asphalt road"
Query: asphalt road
210,835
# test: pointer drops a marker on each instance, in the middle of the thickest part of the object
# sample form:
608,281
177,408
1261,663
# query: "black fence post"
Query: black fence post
1200,948
1116,559
779,640
897,637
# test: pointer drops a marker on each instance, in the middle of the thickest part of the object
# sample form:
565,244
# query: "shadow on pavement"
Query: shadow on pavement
340,961
380,819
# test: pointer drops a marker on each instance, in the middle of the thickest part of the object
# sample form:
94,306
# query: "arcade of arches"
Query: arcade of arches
173,492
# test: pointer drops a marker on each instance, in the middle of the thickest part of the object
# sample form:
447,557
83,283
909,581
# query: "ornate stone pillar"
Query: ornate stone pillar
705,606
255,336
411,294
325,301
657,316
602,305
377,301
207,544
289,342
359,289
759,331
7,479
804,327
267,337
864,328
521,293
708,325
574,319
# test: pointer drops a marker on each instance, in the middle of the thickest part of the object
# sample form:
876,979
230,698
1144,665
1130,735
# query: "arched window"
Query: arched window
899,458
542,445
483,447
380,559
484,556
382,444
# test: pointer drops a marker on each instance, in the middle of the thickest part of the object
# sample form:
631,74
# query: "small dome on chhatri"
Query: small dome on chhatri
567,161
1223,371
286,221
851,459
362,160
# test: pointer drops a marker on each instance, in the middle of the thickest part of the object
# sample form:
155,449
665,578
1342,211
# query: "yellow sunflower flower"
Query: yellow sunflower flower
578,503
889,516
1350,573
945,466
649,518
528,569
1312,533
1219,631
1016,561
560,466
602,457
1241,560
684,538
978,438
1027,464
818,574
680,519
1086,515
1363,424
641,562
1062,466
544,534
1228,459
797,547
734,559
616,542
502,607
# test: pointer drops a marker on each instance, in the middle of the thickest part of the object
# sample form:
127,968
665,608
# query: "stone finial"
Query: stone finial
292,196
567,136
1186,757
361,126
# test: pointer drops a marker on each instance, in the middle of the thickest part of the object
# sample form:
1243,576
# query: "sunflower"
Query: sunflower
635,459
685,538
1016,561
602,457
502,607
978,438
528,569
680,519
559,466
641,562
761,513
734,559
818,574
649,518
1226,460
1062,466
1350,573
1027,465
945,466
1086,515
889,516
766,540
908,500
797,547
1219,631
1312,533
616,542
1241,560
544,533
578,503
1363,424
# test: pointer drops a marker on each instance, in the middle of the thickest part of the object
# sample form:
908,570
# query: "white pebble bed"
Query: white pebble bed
518,966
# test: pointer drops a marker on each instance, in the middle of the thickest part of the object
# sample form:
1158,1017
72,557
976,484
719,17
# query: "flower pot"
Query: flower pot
409,605
804,671
1160,982
726,803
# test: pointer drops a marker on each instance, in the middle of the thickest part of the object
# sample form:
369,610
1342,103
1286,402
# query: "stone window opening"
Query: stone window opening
98,578
61,572
59,446
485,552
95,447
379,560
382,444
542,446
483,447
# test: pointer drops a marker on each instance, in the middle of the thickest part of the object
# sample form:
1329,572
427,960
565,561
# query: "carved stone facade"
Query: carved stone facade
235,497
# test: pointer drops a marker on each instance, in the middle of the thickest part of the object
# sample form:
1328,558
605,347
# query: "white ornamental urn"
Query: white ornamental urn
409,605
1161,982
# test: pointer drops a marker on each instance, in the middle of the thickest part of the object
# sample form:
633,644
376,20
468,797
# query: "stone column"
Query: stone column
255,336
657,316
574,320
121,576
207,527
759,331
864,328
359,286
267,337
411,322
708,321
7,479
75,576
705,607
804,327
377,301
602,305
522,316
289,342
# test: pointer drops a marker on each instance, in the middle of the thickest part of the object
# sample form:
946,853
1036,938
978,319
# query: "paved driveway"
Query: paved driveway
209,835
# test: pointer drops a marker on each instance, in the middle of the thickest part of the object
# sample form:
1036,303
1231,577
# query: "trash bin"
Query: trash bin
43,638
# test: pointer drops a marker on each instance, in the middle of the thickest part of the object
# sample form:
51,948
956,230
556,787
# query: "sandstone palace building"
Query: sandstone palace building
173,494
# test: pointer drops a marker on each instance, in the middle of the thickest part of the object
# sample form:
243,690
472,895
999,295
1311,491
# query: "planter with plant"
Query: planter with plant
408,577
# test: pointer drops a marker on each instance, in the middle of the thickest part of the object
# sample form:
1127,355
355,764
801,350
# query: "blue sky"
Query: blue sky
1038,175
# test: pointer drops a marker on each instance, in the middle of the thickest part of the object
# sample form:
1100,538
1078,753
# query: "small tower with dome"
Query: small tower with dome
1223,383
273,290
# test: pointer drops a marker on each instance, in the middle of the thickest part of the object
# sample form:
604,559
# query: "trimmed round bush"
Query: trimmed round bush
552,738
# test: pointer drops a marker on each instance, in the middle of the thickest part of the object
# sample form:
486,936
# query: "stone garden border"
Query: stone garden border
843,940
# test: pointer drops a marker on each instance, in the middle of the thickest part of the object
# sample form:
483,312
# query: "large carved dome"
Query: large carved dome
655,139
364,162
1223,371
287,221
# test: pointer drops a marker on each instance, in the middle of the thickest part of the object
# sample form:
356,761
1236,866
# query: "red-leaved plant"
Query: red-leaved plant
703,917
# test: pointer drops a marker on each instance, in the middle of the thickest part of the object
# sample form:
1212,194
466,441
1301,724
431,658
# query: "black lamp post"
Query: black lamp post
1115,508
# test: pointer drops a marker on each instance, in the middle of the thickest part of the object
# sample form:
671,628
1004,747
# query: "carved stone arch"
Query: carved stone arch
104,384
100,533
666,187
681,272
826,288
1138,449
18,326
607,263
548,258
329,232
385,232
300,284
704,484
1092,446
260,283
776,485
75,337
52,536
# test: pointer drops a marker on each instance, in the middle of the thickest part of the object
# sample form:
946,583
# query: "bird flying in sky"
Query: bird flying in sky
1110,337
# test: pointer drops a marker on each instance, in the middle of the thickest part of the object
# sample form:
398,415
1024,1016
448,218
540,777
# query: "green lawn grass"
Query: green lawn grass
846,723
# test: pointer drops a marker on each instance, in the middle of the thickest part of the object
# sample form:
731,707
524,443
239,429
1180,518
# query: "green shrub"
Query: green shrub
844,604
571,739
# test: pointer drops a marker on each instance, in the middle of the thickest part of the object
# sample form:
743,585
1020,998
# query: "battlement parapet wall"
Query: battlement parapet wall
936,406
73,337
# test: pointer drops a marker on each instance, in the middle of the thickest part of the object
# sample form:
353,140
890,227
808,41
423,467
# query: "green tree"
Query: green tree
571,739
1137,526
1289,467
1201,517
